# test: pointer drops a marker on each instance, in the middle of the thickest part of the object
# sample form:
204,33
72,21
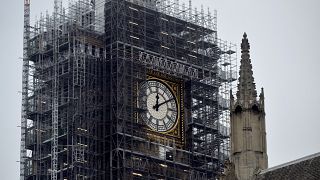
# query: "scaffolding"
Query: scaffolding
82,70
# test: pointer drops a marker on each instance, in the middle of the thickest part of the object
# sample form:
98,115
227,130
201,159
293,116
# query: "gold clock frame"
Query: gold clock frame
177,132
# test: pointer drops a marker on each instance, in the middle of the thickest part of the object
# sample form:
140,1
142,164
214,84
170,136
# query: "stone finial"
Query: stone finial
245,45
261,96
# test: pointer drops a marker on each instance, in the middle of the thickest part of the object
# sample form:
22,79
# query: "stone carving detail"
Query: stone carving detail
229,171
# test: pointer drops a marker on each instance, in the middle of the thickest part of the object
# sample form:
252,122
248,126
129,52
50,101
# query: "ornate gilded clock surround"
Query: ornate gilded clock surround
177,133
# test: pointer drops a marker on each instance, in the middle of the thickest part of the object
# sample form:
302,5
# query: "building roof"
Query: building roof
306,168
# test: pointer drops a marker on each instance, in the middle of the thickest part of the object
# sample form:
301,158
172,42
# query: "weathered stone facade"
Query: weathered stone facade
248,131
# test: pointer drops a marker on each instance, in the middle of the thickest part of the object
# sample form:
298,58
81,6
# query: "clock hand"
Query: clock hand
164,102
156,107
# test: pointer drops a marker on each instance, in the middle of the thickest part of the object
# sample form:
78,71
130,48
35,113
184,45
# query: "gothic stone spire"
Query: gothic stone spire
246,87
247,122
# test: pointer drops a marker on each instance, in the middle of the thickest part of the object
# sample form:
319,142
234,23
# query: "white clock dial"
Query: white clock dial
160,110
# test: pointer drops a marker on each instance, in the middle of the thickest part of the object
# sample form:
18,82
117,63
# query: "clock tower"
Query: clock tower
126,90
248,130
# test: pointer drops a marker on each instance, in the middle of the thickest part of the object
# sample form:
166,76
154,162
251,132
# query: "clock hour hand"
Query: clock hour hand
156,107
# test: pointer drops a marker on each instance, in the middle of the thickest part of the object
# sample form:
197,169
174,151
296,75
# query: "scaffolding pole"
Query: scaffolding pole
55,85
25,83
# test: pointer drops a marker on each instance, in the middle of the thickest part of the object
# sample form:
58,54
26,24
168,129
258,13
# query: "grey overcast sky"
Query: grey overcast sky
285,52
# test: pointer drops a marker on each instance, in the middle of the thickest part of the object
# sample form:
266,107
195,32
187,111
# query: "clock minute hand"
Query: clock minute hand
165,102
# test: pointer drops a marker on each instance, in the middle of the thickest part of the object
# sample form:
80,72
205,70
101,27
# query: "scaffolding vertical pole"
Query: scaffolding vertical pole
25,83
55,118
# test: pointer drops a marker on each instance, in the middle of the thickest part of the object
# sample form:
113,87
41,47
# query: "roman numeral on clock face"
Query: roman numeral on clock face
169,121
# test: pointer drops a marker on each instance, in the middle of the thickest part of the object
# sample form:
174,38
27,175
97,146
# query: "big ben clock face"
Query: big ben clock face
159,105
